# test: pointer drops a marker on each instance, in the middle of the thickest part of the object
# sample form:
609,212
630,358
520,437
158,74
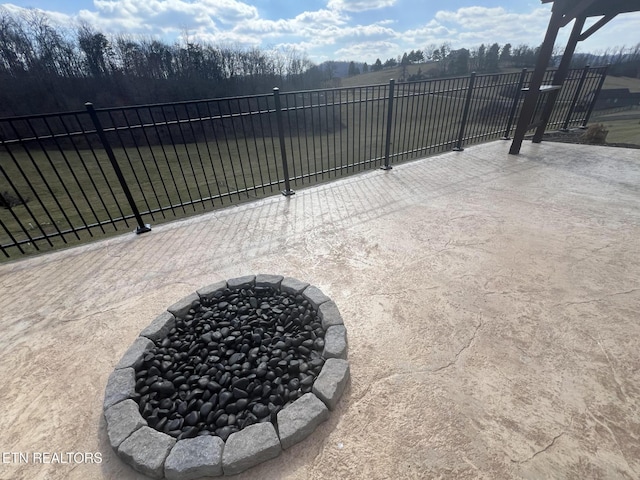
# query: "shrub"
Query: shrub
596,134
9,201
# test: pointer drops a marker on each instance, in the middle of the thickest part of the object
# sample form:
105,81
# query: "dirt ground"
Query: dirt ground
491,303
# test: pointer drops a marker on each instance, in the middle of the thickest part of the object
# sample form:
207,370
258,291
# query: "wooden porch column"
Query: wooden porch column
559,77
530,100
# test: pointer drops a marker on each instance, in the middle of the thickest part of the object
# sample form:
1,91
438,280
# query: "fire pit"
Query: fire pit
226,378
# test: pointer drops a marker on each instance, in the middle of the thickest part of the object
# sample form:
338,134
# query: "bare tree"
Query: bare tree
15,45
97,51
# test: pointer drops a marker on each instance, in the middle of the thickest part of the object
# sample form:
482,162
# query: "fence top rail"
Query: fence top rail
478,77
335,89
184,102
40,138
434,80
182,121
42,116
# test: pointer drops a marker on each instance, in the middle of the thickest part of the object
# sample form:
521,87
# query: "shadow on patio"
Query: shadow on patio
491,303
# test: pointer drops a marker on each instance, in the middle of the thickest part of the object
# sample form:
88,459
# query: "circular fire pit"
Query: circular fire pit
227,378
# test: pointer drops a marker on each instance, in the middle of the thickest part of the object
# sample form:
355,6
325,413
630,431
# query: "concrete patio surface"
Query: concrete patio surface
492,304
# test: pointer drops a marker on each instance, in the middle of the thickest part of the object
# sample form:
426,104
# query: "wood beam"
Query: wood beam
531,98
597,26
577,11
596,8
559,77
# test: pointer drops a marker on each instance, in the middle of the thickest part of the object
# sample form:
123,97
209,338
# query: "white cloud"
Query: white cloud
162,16
359,5
310,30
229,11
304,24
368,51
371,30
430,33
470,26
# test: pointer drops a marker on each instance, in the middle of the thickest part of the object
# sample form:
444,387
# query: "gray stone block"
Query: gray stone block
298,420
315,296
292,285
332,381
120,386
135,351
194,458
160,326
209,290
122,420
335,342
182,307
146,450
242,282
269,280
250,446
329,314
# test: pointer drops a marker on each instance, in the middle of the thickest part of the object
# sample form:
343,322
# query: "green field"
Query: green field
633,84
623,126
383,76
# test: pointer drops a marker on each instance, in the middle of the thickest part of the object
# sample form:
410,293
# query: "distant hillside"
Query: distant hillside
338,69
427,69
430,68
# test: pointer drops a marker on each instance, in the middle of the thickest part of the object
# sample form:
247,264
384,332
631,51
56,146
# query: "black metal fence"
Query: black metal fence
68,177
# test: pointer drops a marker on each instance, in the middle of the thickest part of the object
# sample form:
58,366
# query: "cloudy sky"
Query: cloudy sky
361,30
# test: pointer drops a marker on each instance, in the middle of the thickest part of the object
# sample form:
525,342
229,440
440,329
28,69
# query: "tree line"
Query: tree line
624,61
46,67
450,62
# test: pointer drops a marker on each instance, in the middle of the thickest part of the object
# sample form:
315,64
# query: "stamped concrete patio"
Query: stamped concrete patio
492,304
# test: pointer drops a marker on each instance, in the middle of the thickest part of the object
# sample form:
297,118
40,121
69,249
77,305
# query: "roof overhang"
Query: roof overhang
594,8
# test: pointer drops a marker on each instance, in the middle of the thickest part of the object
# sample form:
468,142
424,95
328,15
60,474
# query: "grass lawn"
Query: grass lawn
623,131
623,125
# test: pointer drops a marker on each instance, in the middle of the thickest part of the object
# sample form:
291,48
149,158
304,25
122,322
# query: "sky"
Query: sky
359,30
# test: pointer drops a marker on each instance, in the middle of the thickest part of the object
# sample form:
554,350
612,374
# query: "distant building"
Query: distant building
612,98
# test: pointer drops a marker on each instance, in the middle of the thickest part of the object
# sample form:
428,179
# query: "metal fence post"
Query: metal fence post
283,149
514,107
387,142
465,114
596,93
142,227
574,100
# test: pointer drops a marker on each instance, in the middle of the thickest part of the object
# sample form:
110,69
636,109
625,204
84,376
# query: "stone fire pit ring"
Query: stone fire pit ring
185,454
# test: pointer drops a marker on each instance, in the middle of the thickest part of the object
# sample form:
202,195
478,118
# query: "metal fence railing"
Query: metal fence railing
68,177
